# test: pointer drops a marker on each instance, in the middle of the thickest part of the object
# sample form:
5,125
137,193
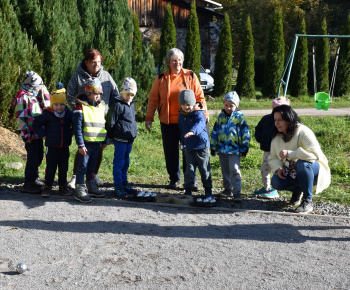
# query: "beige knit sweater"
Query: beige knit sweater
305,146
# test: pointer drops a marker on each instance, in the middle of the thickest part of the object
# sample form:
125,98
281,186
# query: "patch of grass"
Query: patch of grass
148,164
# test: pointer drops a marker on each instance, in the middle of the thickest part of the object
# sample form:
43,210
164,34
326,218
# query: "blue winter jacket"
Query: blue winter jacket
121,123
230,134
193,122
58,131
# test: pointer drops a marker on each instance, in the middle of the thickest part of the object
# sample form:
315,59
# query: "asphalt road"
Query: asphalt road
112,244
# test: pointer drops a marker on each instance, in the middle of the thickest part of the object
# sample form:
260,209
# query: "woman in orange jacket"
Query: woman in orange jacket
163,97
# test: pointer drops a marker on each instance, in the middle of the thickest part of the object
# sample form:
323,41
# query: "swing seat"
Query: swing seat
322,101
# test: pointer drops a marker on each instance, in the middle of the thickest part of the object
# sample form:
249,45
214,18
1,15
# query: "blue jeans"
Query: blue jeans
121,162
87,163
307,174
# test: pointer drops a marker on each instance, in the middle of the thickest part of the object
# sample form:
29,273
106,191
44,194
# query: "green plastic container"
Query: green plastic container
322,101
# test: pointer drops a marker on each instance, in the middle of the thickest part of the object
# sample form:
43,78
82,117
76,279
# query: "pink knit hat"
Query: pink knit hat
279,101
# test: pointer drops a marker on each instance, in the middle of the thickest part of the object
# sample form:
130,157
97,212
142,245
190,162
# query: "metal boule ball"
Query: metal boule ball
153,194
212,200
206,199
147,194
199,199
21,268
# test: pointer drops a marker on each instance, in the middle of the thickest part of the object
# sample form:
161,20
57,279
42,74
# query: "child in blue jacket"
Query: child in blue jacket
230,139
122,129
55,126
195,142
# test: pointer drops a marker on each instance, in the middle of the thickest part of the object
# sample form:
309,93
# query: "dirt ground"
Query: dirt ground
11,143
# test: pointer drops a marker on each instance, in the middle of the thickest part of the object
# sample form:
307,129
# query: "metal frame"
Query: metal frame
289,63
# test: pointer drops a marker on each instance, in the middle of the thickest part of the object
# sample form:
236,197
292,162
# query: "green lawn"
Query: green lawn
148,165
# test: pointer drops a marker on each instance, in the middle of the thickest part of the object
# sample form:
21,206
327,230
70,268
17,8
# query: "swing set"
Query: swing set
322,99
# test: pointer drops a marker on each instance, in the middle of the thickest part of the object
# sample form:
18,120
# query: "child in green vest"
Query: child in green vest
90,134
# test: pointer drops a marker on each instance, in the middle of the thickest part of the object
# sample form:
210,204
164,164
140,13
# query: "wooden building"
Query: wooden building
151,15
151,12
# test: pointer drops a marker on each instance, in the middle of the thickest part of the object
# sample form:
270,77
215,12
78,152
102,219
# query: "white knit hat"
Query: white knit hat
129,86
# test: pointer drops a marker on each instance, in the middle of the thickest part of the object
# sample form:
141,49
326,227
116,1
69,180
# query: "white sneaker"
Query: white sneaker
98,181
71,183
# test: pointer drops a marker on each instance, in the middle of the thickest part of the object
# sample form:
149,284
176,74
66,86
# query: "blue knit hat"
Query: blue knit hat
232,97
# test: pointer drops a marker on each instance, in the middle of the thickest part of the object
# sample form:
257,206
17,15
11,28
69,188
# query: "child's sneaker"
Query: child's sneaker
93,190
98,181
129,189
188,192
270,194
63,190
31,188
39,182
260,191
81,194
120,192
237,197
46,191
71,183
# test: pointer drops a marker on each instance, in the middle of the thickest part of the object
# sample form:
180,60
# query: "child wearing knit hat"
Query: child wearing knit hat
90,135
230,139
55,126
263,135
122,130
29,103
194,140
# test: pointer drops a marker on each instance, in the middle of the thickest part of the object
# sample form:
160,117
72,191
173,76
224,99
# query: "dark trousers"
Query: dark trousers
35,155
56,157
201,159
87,163
171,141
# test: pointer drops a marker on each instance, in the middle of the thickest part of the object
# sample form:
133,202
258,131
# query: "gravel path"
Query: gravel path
114,244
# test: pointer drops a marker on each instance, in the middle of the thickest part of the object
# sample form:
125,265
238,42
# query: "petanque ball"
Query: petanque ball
21,268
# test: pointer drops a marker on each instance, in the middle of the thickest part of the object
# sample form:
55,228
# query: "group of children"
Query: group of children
41,117
44,117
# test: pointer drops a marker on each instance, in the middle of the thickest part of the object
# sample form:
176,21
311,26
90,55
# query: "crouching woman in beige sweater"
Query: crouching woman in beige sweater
296,159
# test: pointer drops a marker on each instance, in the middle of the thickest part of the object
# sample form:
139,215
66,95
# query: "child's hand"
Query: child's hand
188,134
104,146
44,138
82,151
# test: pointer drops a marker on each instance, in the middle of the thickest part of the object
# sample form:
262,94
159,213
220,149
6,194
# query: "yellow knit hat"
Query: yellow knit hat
58,95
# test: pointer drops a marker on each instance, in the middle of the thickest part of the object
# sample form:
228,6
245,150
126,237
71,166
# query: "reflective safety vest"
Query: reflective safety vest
94,123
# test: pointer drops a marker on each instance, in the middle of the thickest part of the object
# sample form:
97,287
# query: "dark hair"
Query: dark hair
289,115
91,54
